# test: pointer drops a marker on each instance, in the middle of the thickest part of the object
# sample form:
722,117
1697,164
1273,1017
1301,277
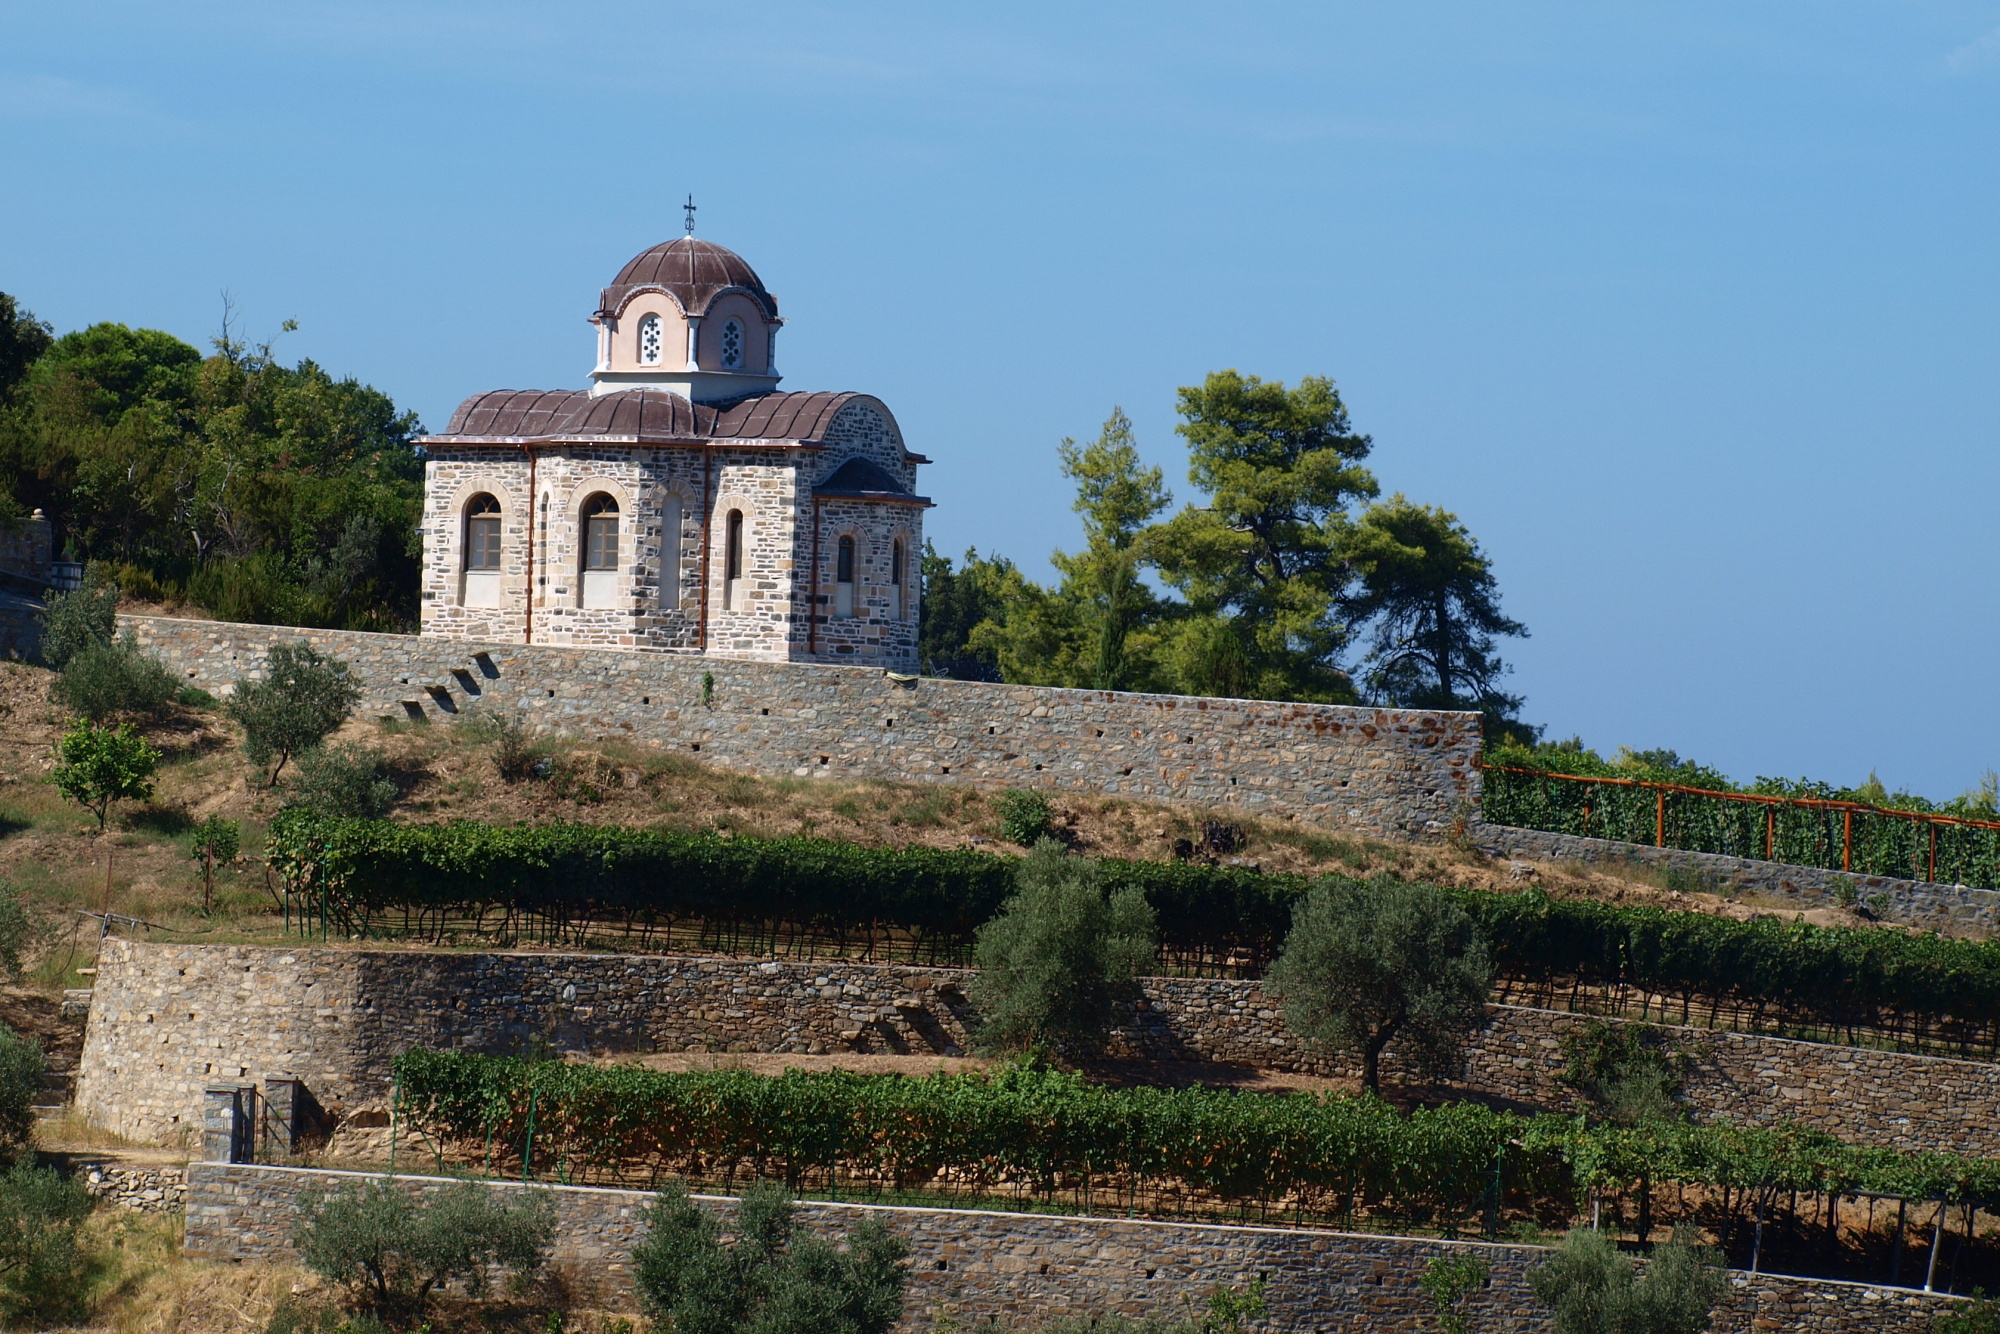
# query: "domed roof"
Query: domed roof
694,271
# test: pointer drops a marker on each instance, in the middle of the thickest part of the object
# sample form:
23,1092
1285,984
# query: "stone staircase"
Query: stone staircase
58,1090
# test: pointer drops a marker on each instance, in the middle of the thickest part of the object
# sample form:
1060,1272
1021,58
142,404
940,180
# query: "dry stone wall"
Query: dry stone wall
1027,1268
168,1021
1392,773
1959,909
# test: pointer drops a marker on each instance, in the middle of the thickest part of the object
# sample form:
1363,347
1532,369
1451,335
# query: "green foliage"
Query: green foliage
391,1248
96,766
955,605
104,680
1328,1155
1448,1280
21,1071
1060,955
1794,971
1088,631
261,491
1261,559
1625,1073
1429,595
1025,817
301,1315
303,696
23,339
343,782
46,1267
215,843
1590,1288
514,755
774,1276
1978,1316
1367,965
75,620
16,929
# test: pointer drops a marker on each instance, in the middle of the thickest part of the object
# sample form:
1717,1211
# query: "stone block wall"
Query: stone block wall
1959,909
1391,773
169,1021
1027,1268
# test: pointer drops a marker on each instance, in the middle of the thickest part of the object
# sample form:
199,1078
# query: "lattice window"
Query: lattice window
732,346
600,518
482,533
649,341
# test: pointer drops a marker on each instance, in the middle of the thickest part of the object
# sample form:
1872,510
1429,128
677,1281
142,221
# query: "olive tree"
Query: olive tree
1367,965
303,697
1591,1288
1060,954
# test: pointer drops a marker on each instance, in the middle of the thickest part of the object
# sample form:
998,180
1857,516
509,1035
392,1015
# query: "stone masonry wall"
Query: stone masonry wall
167,1021
1956,908
1028,1268
1395,773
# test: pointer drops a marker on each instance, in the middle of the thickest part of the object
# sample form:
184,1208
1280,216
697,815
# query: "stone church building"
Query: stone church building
683,503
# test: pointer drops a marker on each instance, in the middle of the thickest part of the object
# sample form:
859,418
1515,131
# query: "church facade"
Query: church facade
683,503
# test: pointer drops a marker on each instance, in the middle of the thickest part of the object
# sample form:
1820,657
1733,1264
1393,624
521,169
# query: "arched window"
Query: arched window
600,550
732,345
896,580
482,552
843,578
649,341
670,553
732,562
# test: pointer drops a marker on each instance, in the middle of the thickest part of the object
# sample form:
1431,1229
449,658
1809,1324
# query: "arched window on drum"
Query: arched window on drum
482,552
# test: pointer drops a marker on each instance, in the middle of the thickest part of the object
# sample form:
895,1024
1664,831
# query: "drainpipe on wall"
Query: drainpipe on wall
812,607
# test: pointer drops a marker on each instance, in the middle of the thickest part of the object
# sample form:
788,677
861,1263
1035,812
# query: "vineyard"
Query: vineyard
1031,1137
578,884
1832,835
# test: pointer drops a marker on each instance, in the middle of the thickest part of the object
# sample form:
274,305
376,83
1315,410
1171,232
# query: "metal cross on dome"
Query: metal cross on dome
689,206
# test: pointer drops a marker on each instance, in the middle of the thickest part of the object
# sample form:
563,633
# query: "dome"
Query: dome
694,271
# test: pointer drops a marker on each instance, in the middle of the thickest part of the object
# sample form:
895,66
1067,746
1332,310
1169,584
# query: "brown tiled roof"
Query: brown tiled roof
696,272
640,415
864,479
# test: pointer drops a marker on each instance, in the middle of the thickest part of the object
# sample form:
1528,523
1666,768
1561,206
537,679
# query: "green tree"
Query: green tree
1082,633
22,1068
214,844
955,604
1591,1289
46,1267
77,619
23,339
774,1277
392,1250
1060,955
96,766
104,680
303,697
1261,561
1365,965
1428,593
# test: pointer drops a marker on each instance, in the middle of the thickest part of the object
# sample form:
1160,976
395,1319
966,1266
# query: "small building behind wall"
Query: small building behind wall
682,503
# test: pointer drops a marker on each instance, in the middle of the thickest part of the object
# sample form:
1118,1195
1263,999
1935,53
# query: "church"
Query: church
683,503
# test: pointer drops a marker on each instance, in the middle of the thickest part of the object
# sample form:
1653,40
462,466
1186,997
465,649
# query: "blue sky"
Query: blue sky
1691,312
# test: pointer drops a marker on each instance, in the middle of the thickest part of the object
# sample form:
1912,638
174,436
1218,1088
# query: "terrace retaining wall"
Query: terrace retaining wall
1028,1268
168,1021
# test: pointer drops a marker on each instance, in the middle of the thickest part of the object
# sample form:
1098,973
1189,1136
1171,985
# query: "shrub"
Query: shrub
1590,1288
513,755
391,1250
343,783
303,697
1448,1280
96,766
1060,955
1367,965
1978,1316
21,1070
1625,1073
776,1277
1025,817
46,1268
114,677
73,621
1225,1311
